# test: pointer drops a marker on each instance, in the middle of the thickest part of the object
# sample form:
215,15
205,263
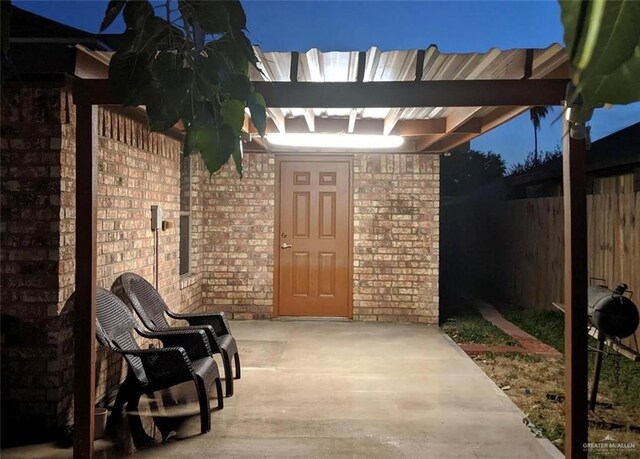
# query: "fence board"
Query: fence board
513,249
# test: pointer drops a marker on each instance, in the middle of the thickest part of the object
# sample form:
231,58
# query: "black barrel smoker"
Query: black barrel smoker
615,316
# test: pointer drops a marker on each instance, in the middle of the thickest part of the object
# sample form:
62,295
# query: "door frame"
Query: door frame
285,157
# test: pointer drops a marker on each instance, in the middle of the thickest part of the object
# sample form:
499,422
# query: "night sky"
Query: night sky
454,26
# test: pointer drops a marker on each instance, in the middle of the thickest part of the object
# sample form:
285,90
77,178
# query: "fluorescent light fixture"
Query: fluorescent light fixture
336,141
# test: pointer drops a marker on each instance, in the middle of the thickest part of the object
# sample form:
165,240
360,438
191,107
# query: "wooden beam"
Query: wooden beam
453,139
293,71
362,60
276,115
461,93
454,121
575,294
310,118
84,325
528,63
405,128
88,66
420,127
472,126
390,120
419,64
299,125
352,120
385,94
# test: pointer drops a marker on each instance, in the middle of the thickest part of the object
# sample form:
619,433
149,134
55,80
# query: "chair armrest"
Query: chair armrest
193,339
218,320
167,365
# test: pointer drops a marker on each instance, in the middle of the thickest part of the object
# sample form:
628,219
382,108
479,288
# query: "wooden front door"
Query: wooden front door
314,238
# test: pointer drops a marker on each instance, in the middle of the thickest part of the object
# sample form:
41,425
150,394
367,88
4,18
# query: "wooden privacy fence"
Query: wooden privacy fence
512,250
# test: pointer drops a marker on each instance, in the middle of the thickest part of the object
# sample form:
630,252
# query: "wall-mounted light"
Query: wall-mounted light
336,141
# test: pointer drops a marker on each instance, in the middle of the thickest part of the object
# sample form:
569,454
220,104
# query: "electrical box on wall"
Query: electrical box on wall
156,218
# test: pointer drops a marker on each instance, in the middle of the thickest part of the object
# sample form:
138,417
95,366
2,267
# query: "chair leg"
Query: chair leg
161,421
140,438
219,394
236,358
203,400
116,413
228,374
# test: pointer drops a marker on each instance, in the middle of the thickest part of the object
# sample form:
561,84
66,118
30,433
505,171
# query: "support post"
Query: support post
84,325
575,294
597,367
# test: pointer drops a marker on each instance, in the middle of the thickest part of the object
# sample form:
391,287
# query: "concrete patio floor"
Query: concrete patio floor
348,389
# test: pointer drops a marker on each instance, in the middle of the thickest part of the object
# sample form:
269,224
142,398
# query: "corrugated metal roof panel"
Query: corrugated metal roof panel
318,66
495,64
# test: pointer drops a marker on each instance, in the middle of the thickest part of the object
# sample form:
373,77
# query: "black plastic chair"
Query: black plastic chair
185,357
145,300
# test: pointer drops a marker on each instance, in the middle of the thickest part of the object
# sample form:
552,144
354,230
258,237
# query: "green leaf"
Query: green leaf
113,10
172,77
176,74
158,32
237,17
161,113
247,50
232,112
235,51
220,145
257,106
239,49
207,89
609,34
207,72
603,38
237,85
621,86
129,74
212,16
237,158
215,142
136,13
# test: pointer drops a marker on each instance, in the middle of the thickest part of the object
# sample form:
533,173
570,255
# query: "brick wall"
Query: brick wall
30,174
238,223
136,169
396,240
396,210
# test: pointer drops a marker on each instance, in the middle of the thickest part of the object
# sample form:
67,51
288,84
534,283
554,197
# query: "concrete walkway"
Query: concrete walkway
342,389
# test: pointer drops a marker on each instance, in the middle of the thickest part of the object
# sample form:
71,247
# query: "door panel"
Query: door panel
314,246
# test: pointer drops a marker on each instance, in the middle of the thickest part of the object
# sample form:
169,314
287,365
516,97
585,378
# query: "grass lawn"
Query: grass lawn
536,383
620,377
466,325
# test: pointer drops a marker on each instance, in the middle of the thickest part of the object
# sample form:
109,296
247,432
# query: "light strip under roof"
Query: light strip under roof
336,141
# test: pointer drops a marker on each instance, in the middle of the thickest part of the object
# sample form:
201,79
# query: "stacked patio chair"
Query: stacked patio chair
145,300
186,356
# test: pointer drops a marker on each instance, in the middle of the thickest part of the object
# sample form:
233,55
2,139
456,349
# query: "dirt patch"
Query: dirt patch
536,385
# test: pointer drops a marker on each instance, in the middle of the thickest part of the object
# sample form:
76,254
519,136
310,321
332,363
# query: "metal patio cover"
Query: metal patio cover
437,100
503,84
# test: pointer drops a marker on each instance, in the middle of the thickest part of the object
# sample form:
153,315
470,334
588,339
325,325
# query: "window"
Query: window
185,217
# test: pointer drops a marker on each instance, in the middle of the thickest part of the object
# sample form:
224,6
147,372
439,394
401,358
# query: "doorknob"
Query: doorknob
284,245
